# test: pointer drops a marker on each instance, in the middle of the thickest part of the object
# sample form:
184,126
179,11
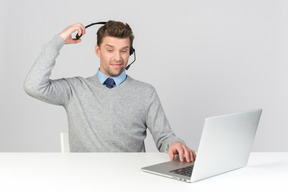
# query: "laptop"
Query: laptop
225,145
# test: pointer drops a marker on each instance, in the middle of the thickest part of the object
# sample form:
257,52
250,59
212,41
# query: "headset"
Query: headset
131,51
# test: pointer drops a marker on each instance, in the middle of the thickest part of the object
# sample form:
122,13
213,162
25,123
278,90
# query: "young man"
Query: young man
109,111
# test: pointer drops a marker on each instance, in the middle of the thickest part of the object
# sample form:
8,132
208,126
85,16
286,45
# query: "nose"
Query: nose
117,56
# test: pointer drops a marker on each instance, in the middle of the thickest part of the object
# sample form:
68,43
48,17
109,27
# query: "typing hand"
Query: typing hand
181,150
66,34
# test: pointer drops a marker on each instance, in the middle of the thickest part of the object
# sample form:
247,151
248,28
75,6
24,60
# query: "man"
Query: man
109,111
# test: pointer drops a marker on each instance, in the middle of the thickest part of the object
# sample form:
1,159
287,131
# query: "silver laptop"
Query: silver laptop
225,145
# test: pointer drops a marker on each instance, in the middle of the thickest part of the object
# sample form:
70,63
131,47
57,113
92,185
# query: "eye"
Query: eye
124,51
109,50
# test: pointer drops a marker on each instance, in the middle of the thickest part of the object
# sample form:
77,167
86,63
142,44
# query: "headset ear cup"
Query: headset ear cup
132,50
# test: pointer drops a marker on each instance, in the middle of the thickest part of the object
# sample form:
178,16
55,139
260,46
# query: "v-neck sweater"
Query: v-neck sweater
101,119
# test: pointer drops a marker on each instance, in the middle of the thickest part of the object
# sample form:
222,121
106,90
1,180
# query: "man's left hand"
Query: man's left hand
181,150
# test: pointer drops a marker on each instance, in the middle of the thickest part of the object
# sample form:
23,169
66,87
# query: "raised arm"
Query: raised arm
38,83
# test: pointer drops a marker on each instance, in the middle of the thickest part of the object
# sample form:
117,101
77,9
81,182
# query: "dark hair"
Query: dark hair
115,29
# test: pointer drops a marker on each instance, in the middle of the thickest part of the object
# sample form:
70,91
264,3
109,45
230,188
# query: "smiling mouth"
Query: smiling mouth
117,65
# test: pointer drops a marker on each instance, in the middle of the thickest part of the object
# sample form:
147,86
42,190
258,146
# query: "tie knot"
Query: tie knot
109,83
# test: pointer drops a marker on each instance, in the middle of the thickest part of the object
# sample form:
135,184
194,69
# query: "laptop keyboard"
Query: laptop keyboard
186,171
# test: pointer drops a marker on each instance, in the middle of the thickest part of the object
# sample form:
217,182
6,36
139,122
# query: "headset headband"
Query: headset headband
102,23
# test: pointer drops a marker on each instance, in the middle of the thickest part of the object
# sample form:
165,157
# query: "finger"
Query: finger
78,29
171,155
81,29
194,155
66,34
71,29
191,155
76,41
181,153
186,152
80,26
172,152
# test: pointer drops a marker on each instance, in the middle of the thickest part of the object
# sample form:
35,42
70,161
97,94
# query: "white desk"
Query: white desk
85,172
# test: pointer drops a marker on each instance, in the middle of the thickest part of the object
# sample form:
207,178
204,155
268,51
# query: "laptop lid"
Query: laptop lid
225,145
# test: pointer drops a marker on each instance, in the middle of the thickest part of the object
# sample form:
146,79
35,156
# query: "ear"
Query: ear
97,50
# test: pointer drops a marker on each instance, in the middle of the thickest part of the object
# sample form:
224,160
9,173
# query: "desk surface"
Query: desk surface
85,172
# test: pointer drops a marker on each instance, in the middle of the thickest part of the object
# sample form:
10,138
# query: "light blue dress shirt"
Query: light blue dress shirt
118,80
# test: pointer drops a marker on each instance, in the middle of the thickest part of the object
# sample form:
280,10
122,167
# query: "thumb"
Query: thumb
72,41
76,41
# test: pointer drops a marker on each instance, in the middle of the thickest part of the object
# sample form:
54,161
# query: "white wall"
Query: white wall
204,58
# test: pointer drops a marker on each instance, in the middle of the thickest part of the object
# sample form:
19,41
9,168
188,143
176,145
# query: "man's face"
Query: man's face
114,54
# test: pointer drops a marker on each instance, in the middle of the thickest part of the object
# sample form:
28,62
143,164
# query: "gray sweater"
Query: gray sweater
101,119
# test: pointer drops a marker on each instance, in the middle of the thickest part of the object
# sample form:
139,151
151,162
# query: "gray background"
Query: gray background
203,57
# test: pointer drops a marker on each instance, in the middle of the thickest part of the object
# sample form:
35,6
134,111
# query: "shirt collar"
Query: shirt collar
118,80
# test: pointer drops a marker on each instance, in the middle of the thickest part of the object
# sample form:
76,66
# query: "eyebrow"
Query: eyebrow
113,46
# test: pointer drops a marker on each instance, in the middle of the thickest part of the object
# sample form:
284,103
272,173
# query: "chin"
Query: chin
116,73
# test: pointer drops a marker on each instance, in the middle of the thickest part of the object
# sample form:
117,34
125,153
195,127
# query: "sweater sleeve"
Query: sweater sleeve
158,125
38,83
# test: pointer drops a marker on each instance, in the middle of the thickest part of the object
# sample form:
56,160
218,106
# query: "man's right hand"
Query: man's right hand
66,34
